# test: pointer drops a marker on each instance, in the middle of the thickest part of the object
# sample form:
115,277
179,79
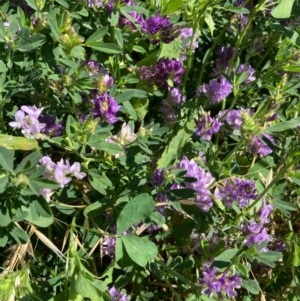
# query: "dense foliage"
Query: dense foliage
149,150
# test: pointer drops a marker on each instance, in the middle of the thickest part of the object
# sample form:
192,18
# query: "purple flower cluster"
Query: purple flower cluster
206,126
116,295
27,119
171,104
95,3
220,284
249,70
257,233
186,36
105,107
159,28
52,127
216,90
108,245
240,191
258,147
103,80
60,172
157,177
202,181
164,71
225,54
232,118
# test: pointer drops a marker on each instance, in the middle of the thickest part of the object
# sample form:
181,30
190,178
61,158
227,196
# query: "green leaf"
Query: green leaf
210,23
139,249
283,126
172,6
7,159
3,237
292,68
19,235
89,288
129,109
39,213
18,143
227,255
251,286
109,48
269,258
128,94
176,144
136,210
92,209
140,106
97,36
32,43
237,9
3,182
63,3
28,162
53,23
296,257
32,4
99,143
99,181
5,217
283,9
284,206
171,50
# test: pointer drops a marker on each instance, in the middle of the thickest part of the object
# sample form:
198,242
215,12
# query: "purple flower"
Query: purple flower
249,71
163,72
105,107
258,147
265,211
160,29
60,172
170,106
206,126
146,73
233,118
52,127
256,232
241,191
202,181
95,3
219,283
225,54
29,123
185,38
108,246
157,177
92,67
138,18
216,90
116,295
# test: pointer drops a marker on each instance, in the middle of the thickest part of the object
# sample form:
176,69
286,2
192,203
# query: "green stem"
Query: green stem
177,275
243,33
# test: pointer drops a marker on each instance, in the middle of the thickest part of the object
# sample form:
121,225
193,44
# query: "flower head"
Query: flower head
202,181
116,295
29,123
206,126
159,28
246,68
240,191
216,90
105,107
259,147
222,284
